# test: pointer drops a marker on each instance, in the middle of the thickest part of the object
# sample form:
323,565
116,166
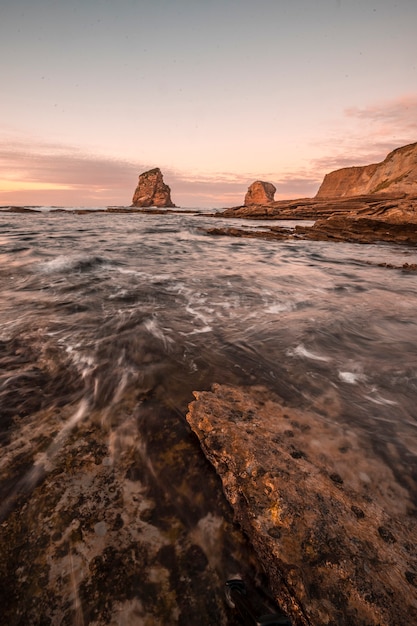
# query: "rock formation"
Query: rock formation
332,526
363,219
152,191
260,193
360,229
396,174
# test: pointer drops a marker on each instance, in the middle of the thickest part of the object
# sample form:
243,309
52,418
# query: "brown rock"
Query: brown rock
360,230
333,528
260,193
396,174
152,191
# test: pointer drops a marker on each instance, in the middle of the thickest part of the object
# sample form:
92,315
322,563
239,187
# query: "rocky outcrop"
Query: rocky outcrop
260,193
359,230
331,524
152,191
360,219
396,174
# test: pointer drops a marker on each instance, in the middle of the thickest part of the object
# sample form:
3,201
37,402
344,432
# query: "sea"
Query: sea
109,511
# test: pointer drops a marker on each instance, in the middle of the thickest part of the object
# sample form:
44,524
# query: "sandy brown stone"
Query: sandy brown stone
363,219
397,173
395,208
332,526
360,230
260,193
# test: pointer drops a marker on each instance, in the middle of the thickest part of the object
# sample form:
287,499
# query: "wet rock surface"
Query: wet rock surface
333,528
100,523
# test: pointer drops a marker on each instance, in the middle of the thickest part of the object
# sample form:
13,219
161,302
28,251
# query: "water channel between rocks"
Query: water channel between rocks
110,513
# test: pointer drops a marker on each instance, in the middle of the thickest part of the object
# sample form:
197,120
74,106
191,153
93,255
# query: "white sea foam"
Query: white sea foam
376,398
154,329
66,263
196,306
300,350
351,377
58,264
123,270
198,314
197,331
83,362
279,308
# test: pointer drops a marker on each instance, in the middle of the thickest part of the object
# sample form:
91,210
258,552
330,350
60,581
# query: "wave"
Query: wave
73,263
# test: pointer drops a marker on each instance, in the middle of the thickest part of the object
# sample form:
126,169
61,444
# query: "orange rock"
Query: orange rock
333,527
396,174
260,193
152,191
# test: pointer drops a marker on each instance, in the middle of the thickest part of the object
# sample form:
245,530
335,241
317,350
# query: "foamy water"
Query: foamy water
107,324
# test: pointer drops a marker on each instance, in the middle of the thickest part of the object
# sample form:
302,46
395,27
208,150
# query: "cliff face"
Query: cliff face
396,174
152,191
260,193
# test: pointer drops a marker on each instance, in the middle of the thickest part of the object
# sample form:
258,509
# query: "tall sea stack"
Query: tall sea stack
152,191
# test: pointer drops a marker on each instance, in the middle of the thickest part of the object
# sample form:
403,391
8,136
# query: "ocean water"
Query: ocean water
109,512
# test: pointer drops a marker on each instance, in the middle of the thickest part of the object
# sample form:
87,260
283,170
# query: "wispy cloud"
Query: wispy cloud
61,174
52,174
395,115
71,167
371,133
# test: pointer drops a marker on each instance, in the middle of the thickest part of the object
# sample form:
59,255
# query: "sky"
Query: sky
217,93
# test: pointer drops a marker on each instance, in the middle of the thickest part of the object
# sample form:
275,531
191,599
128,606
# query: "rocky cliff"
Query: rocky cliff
260,193
152,191
397,173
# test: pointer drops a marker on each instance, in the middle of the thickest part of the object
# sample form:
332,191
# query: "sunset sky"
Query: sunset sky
217,93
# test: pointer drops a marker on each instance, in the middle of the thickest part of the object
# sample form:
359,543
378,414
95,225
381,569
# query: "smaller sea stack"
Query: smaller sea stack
260,192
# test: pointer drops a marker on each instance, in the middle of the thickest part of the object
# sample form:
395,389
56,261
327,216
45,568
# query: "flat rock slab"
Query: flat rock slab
333,528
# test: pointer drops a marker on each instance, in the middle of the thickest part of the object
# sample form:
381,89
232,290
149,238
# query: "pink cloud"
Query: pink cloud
66,168
400,112
390,123
92,180
375,131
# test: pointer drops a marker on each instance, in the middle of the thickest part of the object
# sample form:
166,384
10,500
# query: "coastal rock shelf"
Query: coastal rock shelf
367,204
386,207
333,528
363,219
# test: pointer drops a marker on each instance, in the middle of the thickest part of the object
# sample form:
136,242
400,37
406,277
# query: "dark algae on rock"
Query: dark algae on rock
334,529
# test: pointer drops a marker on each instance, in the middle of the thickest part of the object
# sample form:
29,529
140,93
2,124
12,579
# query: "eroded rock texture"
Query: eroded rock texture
396,174
360,219
152,191
334,529
260,193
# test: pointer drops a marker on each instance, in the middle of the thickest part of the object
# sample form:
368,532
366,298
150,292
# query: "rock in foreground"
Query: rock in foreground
260,193
332,526
152,191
